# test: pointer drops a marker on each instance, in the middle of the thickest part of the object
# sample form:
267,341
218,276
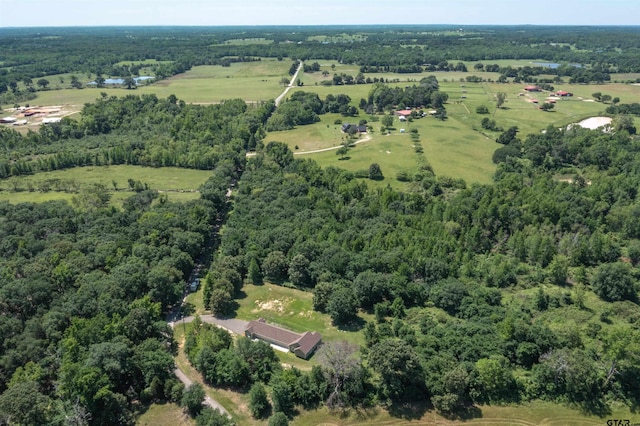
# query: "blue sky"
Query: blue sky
313,12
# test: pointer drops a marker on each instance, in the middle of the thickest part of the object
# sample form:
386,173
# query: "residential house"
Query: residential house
302,345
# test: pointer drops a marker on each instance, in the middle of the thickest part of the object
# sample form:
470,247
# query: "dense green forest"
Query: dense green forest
85,289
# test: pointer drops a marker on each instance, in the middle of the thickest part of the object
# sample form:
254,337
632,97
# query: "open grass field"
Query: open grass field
251,81
323,134
178,184
166,414
393,153
527,414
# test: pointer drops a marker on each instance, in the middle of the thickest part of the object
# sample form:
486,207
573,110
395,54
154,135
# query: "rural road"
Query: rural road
175,315
187,381
291,85
207,399
367,138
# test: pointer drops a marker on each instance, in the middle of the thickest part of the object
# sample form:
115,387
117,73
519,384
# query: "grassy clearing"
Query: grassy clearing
162,179
392,152
292,309
178,184
323,134
166,414
246,41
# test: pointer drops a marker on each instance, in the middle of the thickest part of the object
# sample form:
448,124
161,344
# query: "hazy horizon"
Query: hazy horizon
91,13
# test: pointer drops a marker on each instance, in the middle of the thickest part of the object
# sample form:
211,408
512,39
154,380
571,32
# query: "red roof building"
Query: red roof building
532,89
403,113
563,93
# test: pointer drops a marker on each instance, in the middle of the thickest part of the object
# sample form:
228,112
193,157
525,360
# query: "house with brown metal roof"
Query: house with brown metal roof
302,345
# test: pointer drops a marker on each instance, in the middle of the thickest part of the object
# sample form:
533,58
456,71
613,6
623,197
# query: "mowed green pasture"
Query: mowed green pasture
251,81
536,413
392,152
178,184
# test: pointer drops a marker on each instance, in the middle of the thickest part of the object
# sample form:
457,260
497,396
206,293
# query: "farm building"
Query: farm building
302,345
403,113
562,93
532,89
8,120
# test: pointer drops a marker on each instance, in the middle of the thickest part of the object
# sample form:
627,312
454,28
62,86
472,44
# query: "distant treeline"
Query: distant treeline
35,53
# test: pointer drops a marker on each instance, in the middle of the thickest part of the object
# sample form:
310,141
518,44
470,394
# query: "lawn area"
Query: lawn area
167,414
178,184
292,309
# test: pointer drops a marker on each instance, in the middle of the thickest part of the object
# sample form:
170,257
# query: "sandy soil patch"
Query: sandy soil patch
275,305
595,122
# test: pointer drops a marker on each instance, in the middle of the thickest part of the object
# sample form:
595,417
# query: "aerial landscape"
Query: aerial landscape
327,214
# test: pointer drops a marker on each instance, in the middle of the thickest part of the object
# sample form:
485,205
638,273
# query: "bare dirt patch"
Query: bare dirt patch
275,305
595,122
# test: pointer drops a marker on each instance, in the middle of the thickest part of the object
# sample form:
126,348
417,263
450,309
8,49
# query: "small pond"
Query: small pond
121,80
553,65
